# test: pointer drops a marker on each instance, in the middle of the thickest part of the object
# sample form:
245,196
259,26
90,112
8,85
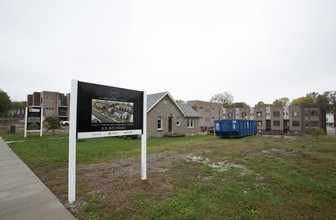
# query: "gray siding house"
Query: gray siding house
167,117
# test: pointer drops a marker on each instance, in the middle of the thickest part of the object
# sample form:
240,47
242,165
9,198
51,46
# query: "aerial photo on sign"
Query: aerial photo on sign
106,111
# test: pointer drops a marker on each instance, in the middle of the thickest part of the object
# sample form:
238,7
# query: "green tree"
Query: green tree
281,102
313,95
240,105
324,100
262,104
5,102
225,98
332,102
17,105
53,123
304,101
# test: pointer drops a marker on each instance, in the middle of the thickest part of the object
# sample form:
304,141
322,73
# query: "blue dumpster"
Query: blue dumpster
235,128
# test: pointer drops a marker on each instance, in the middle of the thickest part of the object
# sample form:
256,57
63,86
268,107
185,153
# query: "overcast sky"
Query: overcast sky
256,50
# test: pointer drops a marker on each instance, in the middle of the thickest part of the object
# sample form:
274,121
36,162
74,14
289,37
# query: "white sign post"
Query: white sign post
74,134
72,142
144,139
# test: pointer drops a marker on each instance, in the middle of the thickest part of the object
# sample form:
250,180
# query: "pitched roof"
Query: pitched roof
189,111
153,99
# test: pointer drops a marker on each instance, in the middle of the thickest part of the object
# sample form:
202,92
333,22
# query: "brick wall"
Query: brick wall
164,109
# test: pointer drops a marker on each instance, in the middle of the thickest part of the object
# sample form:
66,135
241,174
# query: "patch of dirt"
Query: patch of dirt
115,183
119,179
280,137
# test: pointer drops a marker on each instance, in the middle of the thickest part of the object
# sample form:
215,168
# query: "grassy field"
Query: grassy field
200,177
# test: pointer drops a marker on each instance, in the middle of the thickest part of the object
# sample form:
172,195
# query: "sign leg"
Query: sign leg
144,139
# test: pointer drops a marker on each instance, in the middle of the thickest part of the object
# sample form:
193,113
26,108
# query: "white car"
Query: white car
65,123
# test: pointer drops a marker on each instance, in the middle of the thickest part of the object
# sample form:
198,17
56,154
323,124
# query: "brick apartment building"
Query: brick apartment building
282,119
209,112
53,103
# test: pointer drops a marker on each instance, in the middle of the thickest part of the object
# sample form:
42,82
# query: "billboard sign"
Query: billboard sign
103,111
108,111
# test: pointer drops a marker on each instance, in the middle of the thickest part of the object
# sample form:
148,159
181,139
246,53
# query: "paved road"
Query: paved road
22,194
102,118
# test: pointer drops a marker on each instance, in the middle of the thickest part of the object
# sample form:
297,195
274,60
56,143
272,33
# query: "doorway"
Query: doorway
286,126
170,125
268,125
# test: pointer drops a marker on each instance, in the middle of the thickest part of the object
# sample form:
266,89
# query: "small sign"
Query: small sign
34,120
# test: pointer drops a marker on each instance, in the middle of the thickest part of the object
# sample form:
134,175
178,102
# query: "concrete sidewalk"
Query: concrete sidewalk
22,194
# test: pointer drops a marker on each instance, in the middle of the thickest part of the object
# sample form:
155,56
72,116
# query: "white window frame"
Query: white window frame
190,123
178,121
296,113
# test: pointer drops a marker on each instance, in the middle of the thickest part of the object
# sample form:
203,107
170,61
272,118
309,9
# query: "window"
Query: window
259,123
178,121
259,114
296,123
276,114
200,107
159,123
230,115
306,112
314,123
190,123
306,124
276,123
244,114
295,113
314,113
62,111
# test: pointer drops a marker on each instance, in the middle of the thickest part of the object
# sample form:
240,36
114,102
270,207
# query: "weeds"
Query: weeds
255,177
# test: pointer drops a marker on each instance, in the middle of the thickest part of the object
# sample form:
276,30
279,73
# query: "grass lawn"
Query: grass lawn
200,177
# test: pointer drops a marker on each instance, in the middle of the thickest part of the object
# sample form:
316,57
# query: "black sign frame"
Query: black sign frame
108,111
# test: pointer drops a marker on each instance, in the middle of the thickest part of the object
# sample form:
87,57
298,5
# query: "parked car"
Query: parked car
65,123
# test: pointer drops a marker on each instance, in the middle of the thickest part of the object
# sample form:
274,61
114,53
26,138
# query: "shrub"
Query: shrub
319,131
53,123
